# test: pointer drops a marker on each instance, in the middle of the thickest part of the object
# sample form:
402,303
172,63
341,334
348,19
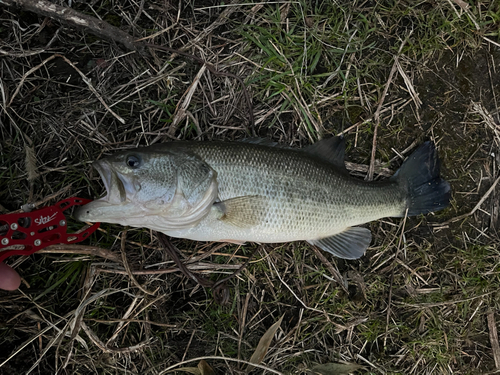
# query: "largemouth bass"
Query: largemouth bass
254,191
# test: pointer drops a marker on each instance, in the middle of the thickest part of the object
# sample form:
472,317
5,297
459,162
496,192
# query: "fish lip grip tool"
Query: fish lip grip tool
27,232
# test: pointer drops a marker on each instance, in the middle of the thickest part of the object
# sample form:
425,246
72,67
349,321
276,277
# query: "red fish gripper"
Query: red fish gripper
27,232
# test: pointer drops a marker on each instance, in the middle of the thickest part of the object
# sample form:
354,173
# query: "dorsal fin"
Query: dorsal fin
331,150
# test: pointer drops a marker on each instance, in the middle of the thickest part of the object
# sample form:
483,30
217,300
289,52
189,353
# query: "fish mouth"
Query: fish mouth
111,205
115,188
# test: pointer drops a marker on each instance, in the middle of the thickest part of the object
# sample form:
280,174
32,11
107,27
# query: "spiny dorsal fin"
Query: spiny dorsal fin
349,244
331,150
244,212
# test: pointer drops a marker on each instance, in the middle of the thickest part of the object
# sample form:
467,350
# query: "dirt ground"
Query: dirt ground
423,300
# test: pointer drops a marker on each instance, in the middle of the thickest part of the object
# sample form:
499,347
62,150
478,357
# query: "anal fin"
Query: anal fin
348,244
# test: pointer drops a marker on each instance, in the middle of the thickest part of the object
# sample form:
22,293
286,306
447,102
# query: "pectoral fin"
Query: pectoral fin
243,212
349,244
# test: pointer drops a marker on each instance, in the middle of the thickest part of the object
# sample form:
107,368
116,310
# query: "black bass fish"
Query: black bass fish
254,191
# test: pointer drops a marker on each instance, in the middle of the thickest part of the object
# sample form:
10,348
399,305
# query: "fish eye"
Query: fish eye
133,161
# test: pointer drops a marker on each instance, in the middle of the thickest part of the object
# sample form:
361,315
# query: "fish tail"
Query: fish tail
427,191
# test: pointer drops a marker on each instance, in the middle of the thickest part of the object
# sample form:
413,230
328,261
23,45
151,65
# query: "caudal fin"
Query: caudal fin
420,173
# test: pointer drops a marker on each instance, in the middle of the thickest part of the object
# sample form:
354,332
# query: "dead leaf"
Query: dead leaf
30,163
264,343
205,368
335,369
202,369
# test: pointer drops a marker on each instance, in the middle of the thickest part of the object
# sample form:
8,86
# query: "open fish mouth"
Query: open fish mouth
111,205
115,188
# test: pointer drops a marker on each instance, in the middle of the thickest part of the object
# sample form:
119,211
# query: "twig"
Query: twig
31,206
491,41
113,321
31,339
473,211
168,369
180,111
91,88
376,117
336,274
447,303
221,283
81,250
127,267
218,73
304,305
32,52
34,69
79,20
173,253
495,346
123,324
83,76
194,267
389,302
370,363
219,288
93,337
75,324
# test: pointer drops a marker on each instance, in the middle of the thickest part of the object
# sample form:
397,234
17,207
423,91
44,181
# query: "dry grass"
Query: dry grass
388,74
